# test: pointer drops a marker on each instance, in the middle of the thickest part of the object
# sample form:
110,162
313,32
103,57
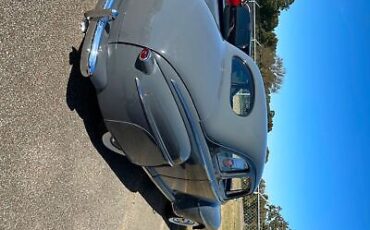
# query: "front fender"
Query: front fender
211,216
203,212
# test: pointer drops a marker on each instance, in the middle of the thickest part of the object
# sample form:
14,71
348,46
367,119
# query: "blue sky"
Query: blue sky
319,166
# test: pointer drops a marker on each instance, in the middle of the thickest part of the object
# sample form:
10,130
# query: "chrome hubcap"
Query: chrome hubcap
181,221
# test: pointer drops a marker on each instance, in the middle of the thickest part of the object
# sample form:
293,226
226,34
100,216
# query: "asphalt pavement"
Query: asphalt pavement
54,171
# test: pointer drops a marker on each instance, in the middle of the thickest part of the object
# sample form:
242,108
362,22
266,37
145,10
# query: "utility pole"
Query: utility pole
258,208
259,196
255,3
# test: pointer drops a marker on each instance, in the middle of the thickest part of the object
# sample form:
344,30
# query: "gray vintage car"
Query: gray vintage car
178,100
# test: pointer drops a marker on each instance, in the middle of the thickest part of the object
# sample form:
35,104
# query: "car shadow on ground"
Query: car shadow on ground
81,98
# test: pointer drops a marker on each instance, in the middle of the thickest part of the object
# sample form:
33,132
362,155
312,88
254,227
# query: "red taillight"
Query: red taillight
233,2
144,54
146,62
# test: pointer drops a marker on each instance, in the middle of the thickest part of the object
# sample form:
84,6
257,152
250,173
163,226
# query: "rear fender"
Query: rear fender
140,110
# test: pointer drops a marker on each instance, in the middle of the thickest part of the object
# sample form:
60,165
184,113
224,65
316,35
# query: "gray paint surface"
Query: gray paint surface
193,74
190,40
177,35
214,9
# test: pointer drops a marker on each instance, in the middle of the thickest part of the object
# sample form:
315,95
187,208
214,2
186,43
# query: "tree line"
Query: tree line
273,72
271,65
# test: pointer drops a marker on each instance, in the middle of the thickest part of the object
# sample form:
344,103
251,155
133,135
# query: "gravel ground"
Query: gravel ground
54,173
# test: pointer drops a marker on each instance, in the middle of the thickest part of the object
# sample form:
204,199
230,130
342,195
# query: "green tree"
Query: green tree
278,70
270,125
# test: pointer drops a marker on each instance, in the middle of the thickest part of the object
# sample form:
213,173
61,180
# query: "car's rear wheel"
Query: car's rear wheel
111,143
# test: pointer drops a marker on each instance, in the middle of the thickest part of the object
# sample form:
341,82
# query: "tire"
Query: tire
182,221
111,144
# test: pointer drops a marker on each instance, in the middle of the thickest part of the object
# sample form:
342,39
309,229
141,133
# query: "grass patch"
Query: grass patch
232,215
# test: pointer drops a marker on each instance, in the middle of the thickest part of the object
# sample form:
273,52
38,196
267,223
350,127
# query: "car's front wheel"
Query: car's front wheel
182,221
111,143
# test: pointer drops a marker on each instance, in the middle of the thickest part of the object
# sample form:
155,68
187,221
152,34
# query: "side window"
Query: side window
234,170
229,162
236,187
242,88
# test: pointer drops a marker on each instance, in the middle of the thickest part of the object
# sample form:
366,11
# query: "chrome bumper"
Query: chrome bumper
93,26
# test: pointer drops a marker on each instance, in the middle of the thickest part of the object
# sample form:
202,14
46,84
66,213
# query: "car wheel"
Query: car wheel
111,143
182,221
